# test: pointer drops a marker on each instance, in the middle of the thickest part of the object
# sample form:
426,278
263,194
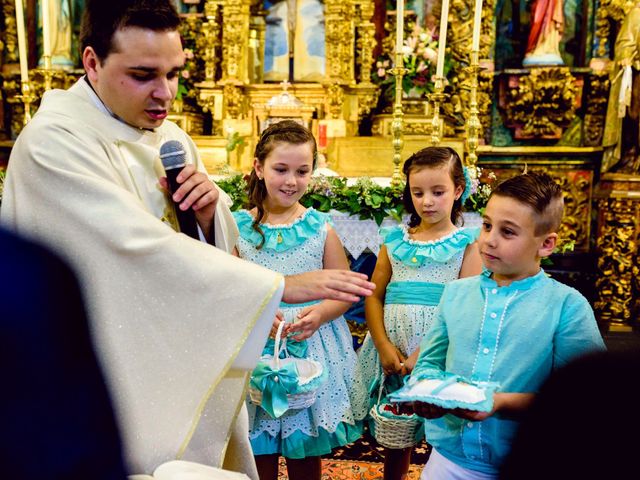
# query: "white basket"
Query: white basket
308,370
396,432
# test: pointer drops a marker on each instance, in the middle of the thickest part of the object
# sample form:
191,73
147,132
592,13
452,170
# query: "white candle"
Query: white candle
399,25
442,39
46,29
477,23
22,42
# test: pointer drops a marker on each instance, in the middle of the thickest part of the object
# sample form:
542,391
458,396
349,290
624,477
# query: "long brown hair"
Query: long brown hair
433,157
286,131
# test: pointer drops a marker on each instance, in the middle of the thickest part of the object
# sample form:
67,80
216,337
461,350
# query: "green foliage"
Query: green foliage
233,140
562,247
236,188
364,198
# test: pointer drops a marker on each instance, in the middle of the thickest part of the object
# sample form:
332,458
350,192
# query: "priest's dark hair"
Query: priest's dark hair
286,131
101,19
434,157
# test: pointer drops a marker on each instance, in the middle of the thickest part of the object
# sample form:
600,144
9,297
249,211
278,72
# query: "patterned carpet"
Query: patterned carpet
351,470
363,460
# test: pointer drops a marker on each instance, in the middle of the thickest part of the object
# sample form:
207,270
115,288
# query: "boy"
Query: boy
512,325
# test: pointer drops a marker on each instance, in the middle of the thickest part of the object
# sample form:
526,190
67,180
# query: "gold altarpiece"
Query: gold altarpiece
233,94
538,104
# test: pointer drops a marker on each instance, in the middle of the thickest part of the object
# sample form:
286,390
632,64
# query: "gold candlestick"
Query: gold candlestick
27,98
47,72
437,97
397,124
473,126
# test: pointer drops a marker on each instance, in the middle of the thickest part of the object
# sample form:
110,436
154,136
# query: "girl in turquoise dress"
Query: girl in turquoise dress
413,265
279,233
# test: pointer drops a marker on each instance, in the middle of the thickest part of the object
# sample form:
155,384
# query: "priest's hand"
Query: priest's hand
198,192
341,285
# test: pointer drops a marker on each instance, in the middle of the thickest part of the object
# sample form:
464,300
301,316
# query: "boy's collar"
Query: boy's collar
523,284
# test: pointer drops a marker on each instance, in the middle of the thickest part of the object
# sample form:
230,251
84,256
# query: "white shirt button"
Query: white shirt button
470,424
494,291
493,315
485,350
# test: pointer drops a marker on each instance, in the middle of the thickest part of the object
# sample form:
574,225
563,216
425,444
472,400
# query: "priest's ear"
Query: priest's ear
91,62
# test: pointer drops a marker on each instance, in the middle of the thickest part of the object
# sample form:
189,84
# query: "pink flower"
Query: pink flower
430,54
411,42
381,72
188,53
185,74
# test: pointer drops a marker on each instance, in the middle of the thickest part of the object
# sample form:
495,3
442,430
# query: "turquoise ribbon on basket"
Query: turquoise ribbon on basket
275,385
293,348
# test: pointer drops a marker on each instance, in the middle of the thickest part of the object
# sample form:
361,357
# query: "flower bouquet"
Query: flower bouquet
419,54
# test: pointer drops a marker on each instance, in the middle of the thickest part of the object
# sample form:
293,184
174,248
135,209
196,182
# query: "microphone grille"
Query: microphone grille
173,154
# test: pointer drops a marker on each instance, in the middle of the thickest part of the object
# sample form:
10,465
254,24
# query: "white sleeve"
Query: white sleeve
252,349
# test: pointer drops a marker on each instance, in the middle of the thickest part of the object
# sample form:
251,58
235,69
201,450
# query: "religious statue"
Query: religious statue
622,129
547,25
294,41
186,6
61,24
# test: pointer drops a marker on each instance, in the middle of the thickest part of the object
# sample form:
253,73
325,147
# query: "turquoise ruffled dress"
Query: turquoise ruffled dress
419,272
329,423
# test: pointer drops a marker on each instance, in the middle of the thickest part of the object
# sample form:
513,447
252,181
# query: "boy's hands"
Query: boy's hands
391,359
512,404
428,410
472,415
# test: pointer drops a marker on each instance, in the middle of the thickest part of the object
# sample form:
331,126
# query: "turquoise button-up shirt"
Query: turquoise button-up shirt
514,335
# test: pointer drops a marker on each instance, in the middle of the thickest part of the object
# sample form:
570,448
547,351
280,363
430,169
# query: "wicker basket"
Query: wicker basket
390,430
311,375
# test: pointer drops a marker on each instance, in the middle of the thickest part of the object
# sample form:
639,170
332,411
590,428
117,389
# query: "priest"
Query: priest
177,322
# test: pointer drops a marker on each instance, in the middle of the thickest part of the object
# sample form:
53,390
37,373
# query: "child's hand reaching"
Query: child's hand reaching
410,362
391,359
309,320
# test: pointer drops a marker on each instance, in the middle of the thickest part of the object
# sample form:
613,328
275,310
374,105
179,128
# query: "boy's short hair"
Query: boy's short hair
540,192
102,19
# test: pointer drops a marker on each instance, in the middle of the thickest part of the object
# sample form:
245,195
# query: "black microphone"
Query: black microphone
173,157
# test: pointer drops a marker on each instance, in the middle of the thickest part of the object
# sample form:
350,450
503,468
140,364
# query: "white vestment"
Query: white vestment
169,314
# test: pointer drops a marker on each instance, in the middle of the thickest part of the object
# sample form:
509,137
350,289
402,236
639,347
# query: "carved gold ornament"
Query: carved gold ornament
542,103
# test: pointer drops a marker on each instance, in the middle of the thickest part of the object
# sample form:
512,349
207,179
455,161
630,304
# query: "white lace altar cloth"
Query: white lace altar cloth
359,236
